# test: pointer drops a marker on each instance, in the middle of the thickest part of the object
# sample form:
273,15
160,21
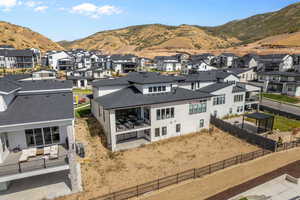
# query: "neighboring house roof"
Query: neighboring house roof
79,78
237,89
150,78
214,87
130,97
17,77
111,82
38,108
291,74
273,56
228,54
44,85
238,71
15,53
122,57
7,86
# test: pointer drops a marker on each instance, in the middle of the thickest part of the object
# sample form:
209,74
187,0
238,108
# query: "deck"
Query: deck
12,165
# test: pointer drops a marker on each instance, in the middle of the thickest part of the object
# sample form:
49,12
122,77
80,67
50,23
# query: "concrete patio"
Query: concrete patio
276,189
47,186
131,144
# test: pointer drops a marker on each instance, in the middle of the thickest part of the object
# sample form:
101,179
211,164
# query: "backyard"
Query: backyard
104,172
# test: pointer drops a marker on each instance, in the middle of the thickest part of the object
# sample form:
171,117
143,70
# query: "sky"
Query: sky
75,19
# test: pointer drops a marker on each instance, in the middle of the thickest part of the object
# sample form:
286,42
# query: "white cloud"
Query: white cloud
40,8
94,11
33,4
8,4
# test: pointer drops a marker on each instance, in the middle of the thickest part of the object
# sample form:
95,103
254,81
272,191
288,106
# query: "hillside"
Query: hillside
286,20
151,37
21,38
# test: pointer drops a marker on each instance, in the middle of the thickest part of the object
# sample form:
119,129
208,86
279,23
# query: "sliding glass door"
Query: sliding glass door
42,136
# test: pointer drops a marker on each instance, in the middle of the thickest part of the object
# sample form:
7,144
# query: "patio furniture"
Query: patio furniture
53,152
47,150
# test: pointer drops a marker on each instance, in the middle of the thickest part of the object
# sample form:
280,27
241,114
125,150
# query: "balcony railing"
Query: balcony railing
125,125
32,165
252,99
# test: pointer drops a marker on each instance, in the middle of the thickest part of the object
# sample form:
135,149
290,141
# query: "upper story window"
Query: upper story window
238,98
200,107
153,89
165,113
219,100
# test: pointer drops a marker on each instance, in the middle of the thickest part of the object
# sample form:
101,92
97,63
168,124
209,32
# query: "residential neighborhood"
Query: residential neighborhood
148,100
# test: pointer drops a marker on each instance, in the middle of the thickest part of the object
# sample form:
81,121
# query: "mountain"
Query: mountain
151,37
163,38
22,38
286,20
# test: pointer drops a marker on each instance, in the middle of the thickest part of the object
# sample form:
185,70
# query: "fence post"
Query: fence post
137,190
209,168
236,160
44,163
223,164
158,184
20,170
177,178
194,172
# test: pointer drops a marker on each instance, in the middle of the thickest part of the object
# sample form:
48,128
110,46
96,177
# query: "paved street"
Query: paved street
281,106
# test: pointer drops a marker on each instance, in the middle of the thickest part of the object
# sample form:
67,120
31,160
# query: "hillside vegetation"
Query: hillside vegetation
22,38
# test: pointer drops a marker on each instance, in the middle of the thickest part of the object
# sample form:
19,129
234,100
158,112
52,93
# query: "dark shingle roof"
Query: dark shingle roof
237,89
14,53
214,87
291,74
130,96
238,71
40,85
38,108
7,86
17,77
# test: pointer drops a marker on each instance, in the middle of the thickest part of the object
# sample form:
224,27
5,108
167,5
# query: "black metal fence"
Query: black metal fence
251,138
182,176
279,112
32,165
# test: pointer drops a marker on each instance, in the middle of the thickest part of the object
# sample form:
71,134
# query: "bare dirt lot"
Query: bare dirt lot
104,172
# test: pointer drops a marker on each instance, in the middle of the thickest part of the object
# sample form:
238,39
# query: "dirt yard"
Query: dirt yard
104,172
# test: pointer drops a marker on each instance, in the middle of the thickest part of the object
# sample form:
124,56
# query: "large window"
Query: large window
165,113
200,107
159,89
42,136
238,98
157,132
219,100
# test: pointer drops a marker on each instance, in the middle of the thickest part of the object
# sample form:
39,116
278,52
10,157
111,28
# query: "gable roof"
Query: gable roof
44,85
15,52
238,71
131,97
7,86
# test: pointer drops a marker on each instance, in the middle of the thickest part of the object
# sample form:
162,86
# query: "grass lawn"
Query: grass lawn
82,91
282,123
282,98
82,112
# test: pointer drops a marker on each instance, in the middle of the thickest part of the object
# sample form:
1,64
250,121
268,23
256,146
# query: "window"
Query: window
238,98
163,88
165,113
157,133
192,86
159,88
230,110
201,123
158,116
164,130
154,89
168,114
150,89
178,127
42,136
240,109
219,100
200,107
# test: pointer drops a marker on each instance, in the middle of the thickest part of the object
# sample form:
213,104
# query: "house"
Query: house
122,63
281,82
224,60
60,60
13,58
198,66
144,107
36,130
296,62
275,62
247,61
167,63
81,78
245,74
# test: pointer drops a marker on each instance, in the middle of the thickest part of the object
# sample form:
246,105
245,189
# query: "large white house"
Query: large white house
144,107
36,130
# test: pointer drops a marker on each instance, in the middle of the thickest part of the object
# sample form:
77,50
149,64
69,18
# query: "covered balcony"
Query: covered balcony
132,119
